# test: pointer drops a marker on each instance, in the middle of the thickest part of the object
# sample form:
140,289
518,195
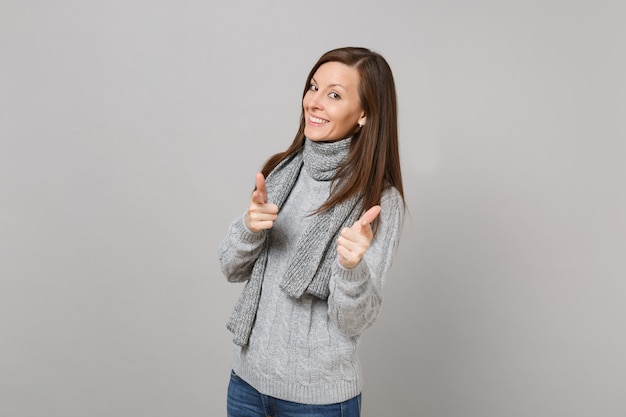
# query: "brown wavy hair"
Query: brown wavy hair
373,162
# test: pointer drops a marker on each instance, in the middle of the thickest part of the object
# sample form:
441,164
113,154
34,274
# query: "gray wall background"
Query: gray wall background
130,135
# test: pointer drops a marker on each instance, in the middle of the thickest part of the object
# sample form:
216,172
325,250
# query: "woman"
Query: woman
314,246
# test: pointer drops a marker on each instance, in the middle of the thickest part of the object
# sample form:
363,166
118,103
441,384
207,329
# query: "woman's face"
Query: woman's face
332,107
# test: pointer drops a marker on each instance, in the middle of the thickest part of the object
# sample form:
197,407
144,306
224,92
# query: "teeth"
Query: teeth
316,120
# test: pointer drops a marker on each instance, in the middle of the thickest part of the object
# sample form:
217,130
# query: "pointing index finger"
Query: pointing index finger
370,215
260,187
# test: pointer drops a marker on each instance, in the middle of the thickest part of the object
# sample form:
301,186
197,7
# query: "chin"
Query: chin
314,136
320,138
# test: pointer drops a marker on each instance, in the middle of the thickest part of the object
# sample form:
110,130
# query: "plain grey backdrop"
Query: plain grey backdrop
130,135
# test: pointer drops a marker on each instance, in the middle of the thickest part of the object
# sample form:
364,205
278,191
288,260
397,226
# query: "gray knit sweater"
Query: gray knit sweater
305,350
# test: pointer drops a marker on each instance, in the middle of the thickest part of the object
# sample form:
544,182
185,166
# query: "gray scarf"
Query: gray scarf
310,268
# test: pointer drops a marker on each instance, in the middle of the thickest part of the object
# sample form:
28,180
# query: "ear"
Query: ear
362,120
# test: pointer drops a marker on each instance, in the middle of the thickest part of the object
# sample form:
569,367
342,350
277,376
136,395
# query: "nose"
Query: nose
311,101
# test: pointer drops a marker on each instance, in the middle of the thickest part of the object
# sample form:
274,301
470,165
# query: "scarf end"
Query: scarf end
240,338
296,291
293,291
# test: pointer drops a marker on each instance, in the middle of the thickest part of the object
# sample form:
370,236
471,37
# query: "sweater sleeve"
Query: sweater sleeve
239,250
356,294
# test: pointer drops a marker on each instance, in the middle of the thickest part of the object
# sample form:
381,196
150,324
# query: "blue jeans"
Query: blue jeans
245,401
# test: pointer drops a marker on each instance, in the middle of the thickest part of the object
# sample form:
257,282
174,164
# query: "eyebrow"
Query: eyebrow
331,85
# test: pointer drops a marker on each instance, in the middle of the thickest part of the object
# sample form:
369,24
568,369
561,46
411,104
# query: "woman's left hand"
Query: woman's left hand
353,242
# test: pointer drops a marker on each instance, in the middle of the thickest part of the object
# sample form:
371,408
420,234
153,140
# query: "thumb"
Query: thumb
368,217
260,194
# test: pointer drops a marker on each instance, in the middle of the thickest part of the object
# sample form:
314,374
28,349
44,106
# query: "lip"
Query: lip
315,123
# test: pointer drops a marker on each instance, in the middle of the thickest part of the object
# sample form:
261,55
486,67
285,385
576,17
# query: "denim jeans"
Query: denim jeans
245,401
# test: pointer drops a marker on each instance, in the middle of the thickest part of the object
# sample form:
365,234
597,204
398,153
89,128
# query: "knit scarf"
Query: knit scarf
310,267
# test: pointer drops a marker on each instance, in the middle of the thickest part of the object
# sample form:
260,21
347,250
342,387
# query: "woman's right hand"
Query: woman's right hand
261,214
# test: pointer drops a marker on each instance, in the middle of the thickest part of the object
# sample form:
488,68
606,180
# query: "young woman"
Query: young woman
314,245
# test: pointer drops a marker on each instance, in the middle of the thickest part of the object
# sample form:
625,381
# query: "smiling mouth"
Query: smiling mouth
317,120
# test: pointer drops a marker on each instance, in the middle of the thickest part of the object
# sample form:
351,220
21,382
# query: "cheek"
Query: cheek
347,116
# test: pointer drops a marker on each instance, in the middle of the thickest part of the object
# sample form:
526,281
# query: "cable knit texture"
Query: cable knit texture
304,348
310,266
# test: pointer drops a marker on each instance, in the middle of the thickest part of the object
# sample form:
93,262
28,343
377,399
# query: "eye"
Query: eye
334,96
313,87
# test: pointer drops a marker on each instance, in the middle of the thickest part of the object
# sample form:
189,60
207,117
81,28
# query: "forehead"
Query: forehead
338,74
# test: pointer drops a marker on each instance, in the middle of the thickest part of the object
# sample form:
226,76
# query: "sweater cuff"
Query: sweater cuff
358,273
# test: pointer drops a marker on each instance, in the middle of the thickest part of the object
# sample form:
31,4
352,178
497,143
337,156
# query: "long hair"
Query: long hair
373,162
